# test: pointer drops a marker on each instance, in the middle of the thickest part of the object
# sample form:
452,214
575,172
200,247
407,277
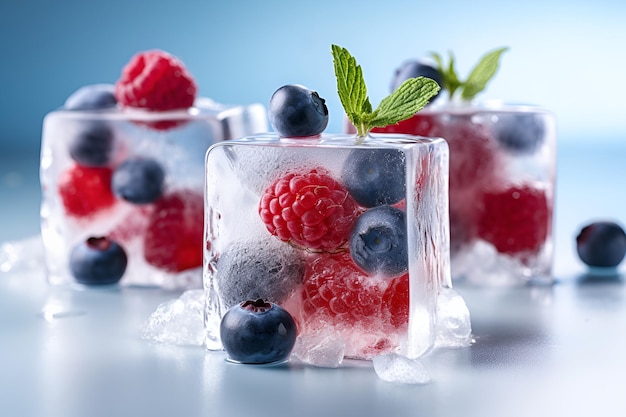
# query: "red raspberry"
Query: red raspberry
85,190
419,124
173,239
515,220
155,80
337,290
310,210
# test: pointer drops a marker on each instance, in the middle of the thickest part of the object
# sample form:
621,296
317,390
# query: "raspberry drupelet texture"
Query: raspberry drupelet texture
155,80
310,210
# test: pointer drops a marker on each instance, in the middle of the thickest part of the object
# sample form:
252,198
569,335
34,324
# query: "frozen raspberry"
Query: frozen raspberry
515,220
419,124
173,239
86,191
336,289
396,301
310,210
155,80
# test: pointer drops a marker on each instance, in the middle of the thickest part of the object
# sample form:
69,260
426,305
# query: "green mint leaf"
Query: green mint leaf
482,73
450,78
351,86
409,98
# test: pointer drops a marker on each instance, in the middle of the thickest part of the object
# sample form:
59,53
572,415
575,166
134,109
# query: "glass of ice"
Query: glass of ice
349,235
92,185
502,179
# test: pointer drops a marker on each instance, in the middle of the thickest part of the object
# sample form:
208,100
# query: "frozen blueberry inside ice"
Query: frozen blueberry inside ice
378,244
92,144
601,244
138,180
296,111
520,132
98,261
258,332
375,177
92,97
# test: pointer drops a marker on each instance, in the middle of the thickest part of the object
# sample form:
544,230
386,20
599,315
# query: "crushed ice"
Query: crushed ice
178,321
22,255
322,349
393,367
453,327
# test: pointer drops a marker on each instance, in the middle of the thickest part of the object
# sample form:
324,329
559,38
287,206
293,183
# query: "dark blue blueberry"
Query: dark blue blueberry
414,69
258,332
92,144
520,132
601,244
375,177
98,261
92,97
248,270
378,243
296,111
138,180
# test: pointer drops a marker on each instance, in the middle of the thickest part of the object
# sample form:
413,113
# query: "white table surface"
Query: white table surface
556,350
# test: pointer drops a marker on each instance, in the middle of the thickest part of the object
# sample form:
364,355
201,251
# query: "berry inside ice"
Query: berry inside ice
138,180
98,261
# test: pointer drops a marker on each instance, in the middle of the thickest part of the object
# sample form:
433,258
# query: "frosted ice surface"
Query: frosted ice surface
323,349
454,328
393,367
178,321
482,264
22,255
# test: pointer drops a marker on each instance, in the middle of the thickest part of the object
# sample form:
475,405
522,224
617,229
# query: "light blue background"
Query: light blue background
568,56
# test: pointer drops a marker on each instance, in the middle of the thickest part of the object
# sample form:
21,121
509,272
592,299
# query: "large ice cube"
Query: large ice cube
349,235
502,179
84,152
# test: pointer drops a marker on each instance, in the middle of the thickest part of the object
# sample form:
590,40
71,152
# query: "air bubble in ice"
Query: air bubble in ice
393,367
178,321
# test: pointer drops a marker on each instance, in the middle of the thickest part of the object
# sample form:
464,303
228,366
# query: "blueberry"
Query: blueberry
519,132
258,332
138,180
296,111
92,144
98,261
378,243
601,244
375,177
267,269
92,97
414,69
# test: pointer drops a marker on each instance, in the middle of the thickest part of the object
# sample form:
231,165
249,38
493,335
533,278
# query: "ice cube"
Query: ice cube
502,182
323,349
81,151
299,205
178,321
393,367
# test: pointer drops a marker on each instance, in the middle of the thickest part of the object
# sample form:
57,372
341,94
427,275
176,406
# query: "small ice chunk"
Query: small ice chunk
178,321
393,367
482,264
325,350
22,255
453,328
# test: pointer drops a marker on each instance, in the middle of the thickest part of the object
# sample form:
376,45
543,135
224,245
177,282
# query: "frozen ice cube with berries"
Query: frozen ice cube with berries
123,164
348,233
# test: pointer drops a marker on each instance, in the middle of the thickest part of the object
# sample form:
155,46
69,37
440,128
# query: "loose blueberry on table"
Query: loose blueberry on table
98,261
258,332
601,244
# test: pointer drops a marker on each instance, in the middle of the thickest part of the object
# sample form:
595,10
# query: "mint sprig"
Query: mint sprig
409,98
476,81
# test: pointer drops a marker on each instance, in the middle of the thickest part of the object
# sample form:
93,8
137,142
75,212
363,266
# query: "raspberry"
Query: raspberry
515,220
85,190
310,210
335,289
173,239
155,80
